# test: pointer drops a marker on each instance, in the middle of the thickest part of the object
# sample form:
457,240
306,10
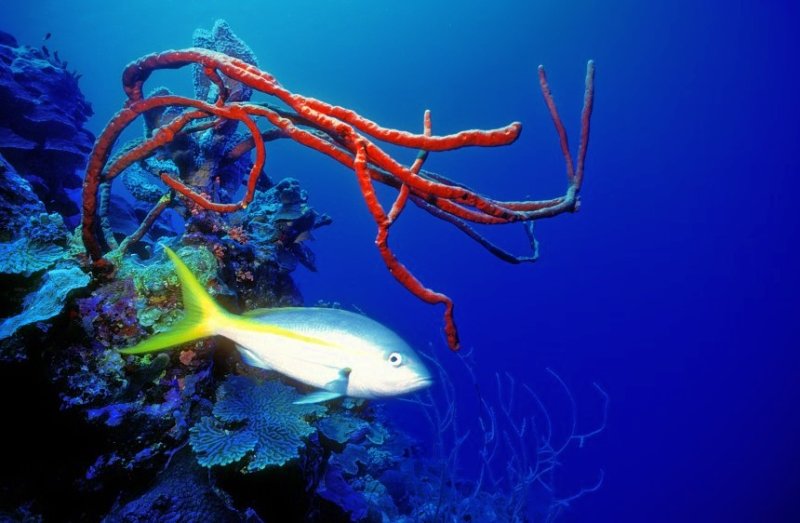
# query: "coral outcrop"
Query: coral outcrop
43,137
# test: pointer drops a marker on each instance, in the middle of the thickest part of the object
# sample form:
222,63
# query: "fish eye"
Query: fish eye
396,359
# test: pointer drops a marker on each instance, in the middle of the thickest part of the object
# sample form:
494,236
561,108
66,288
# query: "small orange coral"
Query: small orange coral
238,234
218,250
244,275
187,356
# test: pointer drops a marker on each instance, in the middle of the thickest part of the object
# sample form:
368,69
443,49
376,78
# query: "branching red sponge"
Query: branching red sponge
340,133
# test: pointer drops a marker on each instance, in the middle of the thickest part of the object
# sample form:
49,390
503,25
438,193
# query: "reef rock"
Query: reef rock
182,493
17,201
282,216
31,240
41,123
221,38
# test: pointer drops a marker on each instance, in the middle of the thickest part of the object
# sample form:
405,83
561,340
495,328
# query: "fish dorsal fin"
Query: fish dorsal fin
333,389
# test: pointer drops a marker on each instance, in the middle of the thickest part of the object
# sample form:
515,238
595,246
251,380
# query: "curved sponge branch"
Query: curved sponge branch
254,423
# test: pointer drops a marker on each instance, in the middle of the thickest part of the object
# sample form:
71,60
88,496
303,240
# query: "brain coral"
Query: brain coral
257,423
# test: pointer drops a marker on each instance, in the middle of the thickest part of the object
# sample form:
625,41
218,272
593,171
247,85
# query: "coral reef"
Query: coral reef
43,137
196,434
261,245
43,146
65,326
125,218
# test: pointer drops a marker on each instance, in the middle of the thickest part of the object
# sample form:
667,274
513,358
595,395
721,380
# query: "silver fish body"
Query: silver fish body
376,361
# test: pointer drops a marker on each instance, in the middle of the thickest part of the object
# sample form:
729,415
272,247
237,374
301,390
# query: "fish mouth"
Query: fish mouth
419,383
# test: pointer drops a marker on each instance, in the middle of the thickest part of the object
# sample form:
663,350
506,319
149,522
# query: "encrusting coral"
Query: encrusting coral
48,301
256,423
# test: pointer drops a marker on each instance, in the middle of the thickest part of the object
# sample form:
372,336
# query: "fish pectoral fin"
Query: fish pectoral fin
333,389
339,385
317,397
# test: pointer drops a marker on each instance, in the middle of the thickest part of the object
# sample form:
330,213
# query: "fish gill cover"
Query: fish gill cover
149,426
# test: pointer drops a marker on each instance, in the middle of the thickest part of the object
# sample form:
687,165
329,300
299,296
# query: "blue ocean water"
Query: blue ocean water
675,287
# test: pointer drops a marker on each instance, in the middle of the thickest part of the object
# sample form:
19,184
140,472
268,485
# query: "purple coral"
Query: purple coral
109,314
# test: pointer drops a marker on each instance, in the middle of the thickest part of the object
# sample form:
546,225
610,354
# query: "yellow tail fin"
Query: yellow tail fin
202,314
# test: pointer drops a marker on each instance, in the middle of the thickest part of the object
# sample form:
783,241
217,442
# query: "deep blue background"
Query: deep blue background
676,286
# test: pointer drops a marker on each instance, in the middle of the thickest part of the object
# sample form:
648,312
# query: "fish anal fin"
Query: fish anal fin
251,359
